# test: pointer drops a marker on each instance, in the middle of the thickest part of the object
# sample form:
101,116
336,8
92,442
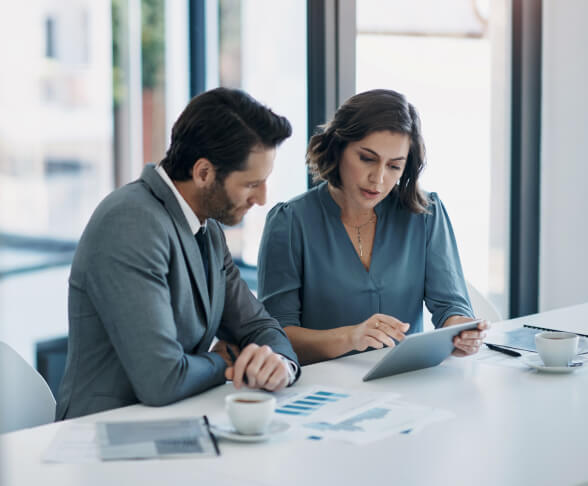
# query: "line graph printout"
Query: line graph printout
378,420
352,416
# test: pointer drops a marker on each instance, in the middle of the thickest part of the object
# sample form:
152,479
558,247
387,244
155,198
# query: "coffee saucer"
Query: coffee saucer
534,361
228,432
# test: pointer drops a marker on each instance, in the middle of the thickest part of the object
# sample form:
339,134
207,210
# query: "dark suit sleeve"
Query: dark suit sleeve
127,283
245,319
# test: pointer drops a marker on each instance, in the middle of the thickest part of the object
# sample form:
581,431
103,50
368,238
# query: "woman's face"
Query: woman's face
371,167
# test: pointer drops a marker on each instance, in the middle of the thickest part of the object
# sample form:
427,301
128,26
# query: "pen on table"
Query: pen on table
233,359
500,349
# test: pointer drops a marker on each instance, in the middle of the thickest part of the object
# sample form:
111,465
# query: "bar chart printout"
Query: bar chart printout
310,404
307,404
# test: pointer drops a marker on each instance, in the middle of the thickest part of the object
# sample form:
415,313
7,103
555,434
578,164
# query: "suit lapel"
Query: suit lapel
187,240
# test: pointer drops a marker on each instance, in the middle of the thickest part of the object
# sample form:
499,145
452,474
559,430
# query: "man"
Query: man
147,297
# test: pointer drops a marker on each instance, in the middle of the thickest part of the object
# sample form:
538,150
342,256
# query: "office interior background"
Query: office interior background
89,90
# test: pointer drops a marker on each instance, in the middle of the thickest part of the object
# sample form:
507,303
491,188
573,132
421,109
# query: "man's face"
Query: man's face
228,202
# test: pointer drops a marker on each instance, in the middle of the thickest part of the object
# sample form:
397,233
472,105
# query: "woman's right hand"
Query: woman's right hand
377,331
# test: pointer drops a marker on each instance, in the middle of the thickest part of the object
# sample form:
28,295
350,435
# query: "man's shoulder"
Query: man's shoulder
134,199
128,215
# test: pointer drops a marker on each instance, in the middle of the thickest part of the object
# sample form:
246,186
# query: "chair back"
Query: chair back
482,307
25,397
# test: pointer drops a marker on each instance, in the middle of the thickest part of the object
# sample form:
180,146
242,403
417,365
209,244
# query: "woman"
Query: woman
347,265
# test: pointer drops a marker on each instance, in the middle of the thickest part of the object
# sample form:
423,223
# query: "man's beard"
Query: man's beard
217,205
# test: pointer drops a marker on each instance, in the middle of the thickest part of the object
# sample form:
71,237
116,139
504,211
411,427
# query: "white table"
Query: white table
513,426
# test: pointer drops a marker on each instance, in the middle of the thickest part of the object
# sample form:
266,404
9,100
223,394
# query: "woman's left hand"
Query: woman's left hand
467,342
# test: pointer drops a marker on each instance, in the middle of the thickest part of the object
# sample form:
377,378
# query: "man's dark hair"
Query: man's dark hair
222,125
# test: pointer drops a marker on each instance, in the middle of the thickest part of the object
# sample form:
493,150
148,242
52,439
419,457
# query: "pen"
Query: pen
500,349
233,359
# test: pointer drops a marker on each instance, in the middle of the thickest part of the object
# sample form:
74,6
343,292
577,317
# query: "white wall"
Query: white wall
564,155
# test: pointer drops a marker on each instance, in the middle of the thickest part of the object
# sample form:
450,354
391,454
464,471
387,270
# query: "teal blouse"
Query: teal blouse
310,275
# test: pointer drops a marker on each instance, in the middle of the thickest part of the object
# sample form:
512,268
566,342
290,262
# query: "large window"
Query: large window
150,79
56,116
55,154
88,89
449,59
262,49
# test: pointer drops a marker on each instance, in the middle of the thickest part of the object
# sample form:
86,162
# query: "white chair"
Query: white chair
482,307
25,397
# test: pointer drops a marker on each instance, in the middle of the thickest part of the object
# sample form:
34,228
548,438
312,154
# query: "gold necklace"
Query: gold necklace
358,229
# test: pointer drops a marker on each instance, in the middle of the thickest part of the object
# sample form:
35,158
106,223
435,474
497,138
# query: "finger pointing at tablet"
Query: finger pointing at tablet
378,331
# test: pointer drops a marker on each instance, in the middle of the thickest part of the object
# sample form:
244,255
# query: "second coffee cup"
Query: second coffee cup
556,348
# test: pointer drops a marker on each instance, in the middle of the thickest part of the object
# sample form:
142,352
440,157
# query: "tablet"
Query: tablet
417,351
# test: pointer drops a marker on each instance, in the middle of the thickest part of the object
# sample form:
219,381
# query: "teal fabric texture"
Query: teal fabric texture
310,275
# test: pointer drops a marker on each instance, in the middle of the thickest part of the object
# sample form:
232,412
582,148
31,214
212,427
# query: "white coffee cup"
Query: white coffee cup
250,412
556,348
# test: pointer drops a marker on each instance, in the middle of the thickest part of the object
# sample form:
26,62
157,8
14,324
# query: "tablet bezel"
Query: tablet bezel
418,351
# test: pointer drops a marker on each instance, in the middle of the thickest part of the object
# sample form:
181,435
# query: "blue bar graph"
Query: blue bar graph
331,394
298,407
306,402
291,412
310,403
321,399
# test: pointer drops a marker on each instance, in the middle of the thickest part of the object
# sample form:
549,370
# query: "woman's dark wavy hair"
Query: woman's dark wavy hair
361,115
222,125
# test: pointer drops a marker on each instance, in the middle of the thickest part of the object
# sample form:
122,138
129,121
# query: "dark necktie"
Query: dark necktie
201,239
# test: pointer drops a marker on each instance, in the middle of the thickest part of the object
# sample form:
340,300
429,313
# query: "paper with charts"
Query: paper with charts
357,417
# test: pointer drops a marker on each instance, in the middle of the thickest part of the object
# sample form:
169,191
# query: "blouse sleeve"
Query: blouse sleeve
445,288
279,267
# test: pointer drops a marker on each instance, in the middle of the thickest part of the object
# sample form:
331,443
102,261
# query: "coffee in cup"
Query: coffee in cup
556,348
250,412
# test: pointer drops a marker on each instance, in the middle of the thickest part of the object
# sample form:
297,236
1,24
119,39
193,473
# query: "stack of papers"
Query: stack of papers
155,438
82,443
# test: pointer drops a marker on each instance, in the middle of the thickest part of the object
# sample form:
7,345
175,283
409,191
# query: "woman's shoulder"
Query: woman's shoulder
433,202
431,199
287,221
298,206
435,206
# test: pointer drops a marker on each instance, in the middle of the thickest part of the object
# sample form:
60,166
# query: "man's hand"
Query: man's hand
220,347
262,367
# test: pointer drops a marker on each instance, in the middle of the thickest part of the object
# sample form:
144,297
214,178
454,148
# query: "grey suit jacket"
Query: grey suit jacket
141,316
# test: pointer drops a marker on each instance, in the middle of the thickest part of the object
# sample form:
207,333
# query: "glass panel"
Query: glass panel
440,55
153,79
230,43
268,60
55,154
139,38
69,66
56,117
